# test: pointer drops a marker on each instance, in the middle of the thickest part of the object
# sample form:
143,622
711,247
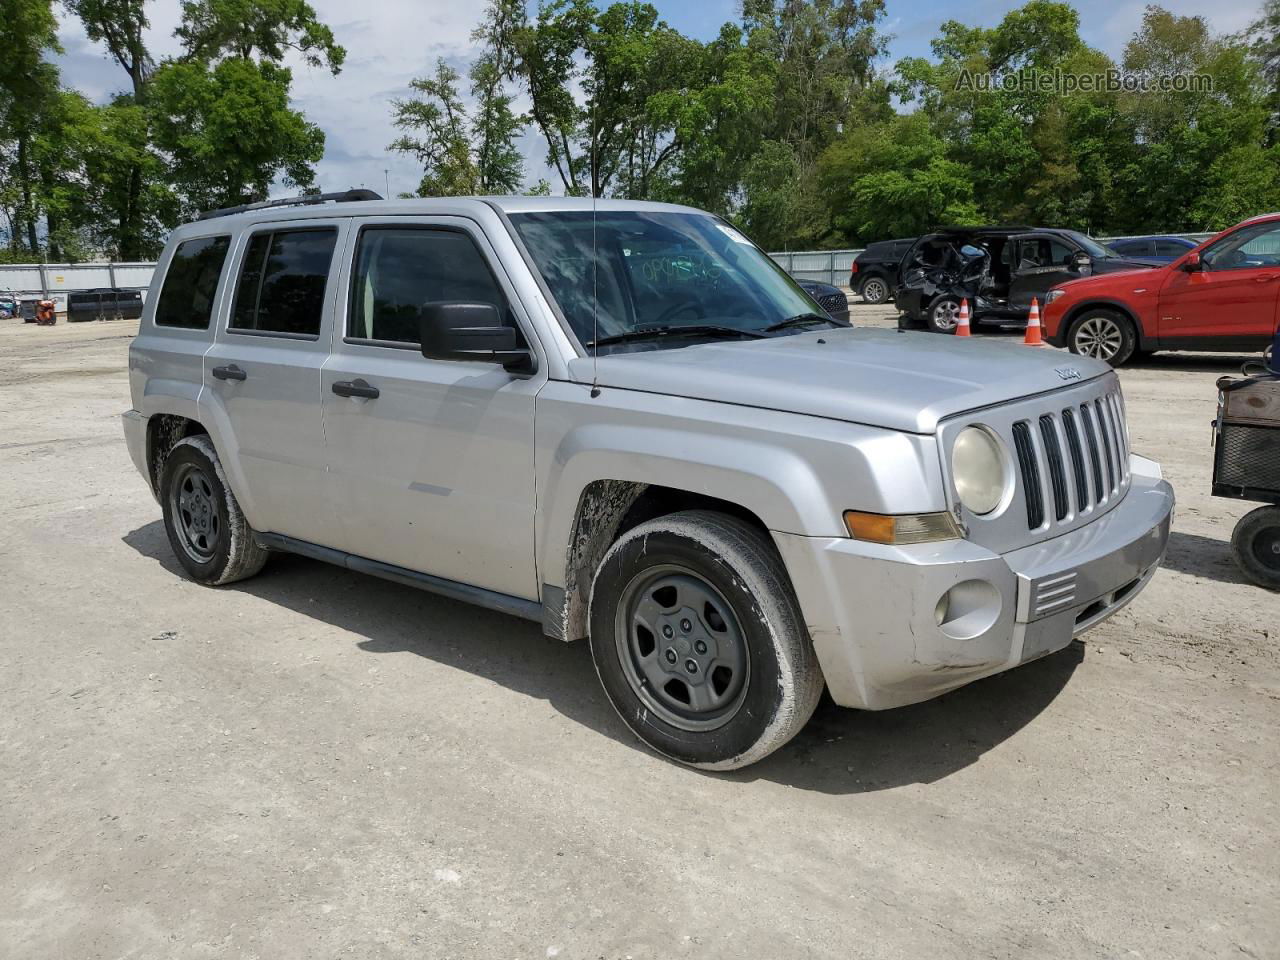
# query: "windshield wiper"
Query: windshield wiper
672,330
798,320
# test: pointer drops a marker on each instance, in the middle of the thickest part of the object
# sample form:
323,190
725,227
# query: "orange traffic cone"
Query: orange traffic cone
1033,337
962,325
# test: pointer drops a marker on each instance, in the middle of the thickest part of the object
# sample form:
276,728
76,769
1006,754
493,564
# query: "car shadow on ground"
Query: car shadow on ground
1209,363
1205,557
840,751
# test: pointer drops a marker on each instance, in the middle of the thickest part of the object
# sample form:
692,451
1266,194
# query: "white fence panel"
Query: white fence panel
20,278
59,279
134,274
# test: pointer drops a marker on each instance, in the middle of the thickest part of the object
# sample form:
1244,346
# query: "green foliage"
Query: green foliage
209,128
785,122
464,153
266,29
894,179
441,144
228,132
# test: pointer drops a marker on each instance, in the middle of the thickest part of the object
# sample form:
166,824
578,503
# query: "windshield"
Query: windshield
657,269
1092,246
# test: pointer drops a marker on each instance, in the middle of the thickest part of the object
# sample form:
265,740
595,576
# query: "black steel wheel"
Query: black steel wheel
198,517
874,290
1255,544
1103,335
699,642
682,648
207,530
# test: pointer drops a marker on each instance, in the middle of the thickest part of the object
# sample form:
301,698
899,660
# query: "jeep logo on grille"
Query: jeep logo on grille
1067,373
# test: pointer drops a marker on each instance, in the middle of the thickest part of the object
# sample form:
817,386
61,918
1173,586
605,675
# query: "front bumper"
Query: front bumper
873,611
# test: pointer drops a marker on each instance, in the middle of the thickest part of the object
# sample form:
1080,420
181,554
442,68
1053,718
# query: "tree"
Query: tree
28,87
1263,38
120,25
499,164
895,179
262,30
440,134
228,132
1205,159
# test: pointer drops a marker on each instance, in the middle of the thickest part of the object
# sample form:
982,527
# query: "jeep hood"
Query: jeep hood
896,379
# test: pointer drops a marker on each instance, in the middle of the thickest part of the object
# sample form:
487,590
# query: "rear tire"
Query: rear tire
699,642
944,315
1255,544
207,531
1103,335
874,290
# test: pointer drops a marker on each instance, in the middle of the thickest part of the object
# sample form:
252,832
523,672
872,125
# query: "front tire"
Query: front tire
207,531
699,643
1103,335
1255,544
874,290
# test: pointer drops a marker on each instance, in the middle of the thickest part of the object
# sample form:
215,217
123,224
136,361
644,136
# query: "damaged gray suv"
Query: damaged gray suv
625,423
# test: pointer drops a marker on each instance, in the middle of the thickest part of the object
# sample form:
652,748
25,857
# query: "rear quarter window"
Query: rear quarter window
191,283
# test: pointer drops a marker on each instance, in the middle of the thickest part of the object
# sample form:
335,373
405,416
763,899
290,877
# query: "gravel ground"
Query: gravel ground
315,763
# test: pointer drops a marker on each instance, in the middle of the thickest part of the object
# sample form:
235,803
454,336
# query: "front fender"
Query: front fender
797,474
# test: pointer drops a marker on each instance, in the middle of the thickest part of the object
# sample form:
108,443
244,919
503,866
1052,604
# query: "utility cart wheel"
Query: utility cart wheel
1256,546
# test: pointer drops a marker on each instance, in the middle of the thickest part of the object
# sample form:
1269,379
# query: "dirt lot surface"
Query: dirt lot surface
314,763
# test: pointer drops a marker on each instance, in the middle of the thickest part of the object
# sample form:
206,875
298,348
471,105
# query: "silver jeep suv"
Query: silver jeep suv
625,423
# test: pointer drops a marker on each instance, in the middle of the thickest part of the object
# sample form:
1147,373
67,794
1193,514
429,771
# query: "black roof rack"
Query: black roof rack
345,196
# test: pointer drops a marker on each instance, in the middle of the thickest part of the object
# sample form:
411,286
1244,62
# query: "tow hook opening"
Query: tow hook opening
968,609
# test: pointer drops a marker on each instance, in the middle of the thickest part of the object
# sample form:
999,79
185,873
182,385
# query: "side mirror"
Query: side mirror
1080,261
1193,263
471,331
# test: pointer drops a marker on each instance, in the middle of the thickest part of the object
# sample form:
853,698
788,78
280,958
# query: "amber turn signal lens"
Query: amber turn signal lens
910,528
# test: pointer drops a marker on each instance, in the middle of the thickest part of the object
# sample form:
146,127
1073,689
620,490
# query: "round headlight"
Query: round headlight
978,469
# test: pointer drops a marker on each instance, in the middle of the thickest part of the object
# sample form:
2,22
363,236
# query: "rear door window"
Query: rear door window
191,282
1170,248
282,282
1133,248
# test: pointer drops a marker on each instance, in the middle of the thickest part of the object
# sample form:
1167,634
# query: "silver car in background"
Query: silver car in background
624,422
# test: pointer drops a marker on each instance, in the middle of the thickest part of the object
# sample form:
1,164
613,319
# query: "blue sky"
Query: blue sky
390,41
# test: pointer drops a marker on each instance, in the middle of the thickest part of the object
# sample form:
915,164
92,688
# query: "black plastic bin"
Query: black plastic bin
105,303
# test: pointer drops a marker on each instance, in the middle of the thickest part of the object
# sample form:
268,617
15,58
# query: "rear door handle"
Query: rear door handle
230,372
1266,279
355,388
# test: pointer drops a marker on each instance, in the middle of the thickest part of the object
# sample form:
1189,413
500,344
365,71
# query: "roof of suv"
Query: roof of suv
994,231
428,205
415,206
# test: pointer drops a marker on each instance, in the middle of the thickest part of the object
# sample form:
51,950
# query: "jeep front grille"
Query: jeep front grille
1096,458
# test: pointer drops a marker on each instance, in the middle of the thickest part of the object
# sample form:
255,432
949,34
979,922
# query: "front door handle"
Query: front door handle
230,372
1266,279
355,388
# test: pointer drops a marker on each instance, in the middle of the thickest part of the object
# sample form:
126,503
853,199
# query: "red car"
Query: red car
1222,296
